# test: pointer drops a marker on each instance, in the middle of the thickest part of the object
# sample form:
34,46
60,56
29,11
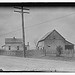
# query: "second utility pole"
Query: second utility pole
22,13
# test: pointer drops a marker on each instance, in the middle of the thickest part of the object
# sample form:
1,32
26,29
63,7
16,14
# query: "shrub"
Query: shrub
59,50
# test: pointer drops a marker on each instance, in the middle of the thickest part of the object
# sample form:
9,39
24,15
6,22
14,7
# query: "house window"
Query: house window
17,47
48,45
54,38
9,47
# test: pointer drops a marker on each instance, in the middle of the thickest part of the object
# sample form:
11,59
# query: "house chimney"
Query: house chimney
28,43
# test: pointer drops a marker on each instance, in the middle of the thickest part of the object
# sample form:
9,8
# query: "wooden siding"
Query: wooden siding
13,46
51,45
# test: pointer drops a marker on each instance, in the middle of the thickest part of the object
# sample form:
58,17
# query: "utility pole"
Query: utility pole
22,13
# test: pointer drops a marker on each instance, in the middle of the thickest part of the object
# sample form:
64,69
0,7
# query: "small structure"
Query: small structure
52,40
14,44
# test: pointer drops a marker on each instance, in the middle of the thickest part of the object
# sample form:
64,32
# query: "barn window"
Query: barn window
17,47
54,38
9,47
69,47
48,45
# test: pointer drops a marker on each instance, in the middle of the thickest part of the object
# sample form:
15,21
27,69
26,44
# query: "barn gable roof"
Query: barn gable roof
49,33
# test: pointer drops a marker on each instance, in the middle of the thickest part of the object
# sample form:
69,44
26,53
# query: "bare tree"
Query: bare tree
59,50
35,42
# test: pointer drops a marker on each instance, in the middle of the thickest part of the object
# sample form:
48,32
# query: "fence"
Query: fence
29,53
32,53
11,53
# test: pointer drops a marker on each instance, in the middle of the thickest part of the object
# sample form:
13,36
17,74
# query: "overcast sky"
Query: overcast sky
40,21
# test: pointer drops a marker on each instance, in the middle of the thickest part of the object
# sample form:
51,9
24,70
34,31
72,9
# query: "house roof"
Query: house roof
13,40
43,38
49,33
67,42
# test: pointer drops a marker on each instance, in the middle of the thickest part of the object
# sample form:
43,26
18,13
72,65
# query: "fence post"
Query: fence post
44,51
72,52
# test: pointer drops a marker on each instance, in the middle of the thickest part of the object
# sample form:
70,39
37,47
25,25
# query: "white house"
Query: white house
14,44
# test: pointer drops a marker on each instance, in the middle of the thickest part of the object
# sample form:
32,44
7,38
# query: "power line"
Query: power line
10,32
52,20
39,23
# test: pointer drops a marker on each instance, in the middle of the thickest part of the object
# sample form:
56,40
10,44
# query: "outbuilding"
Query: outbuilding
52,40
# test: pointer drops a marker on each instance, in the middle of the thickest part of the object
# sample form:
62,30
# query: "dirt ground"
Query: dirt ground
10,63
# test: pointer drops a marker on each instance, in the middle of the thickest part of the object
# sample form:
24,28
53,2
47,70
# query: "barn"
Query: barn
52,40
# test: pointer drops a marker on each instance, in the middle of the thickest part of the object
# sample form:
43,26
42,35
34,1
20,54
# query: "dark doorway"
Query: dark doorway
17,47
9,47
